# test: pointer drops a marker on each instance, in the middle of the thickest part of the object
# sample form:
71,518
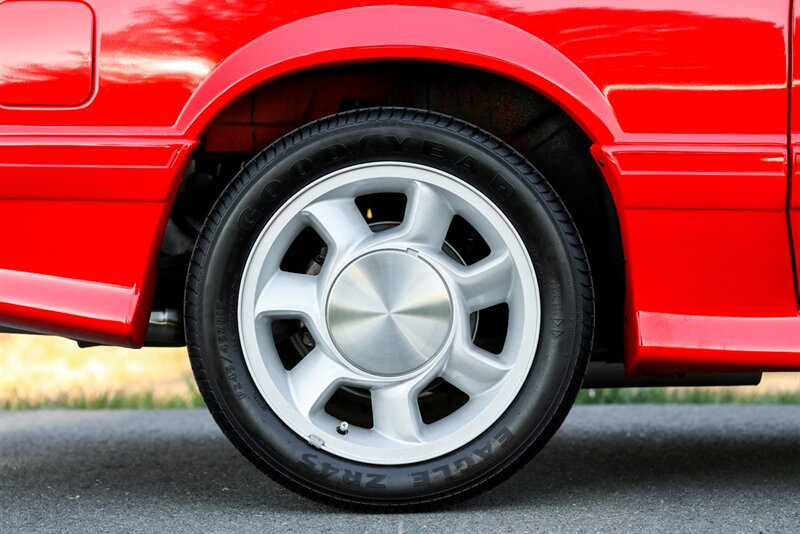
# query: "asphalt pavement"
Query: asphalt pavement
652,468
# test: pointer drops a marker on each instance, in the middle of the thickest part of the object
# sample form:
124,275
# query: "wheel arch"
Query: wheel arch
415,34
482,45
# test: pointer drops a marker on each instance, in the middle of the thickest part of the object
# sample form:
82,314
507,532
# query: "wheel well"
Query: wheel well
528,121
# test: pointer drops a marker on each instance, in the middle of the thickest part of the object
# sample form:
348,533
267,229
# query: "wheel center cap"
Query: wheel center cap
389,312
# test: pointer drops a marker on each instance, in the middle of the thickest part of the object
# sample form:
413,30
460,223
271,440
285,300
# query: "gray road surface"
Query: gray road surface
610,468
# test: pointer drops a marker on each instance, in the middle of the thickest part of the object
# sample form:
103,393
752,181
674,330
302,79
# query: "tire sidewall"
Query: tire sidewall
272,179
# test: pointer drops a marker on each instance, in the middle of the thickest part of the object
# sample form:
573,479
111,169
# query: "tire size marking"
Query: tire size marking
222,343
220,318
309,462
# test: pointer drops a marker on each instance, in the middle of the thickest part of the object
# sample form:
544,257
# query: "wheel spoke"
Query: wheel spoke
388,313
427,218
289,295
314,380
472,369
396,413
339,223
485,283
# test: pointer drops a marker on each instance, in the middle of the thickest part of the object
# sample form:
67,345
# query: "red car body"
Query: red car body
690,106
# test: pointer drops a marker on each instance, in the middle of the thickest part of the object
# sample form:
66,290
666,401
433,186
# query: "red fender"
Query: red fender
416,33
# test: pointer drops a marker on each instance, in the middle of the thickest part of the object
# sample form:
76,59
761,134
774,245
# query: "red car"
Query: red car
394,235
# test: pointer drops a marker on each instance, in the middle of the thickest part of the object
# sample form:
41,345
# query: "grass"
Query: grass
120,399
102,401
41,372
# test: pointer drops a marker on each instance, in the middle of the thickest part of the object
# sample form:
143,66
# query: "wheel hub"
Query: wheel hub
389,312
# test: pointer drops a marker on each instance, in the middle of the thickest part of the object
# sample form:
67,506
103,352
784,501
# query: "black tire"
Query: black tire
503,176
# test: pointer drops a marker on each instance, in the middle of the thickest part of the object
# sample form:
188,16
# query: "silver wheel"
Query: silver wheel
388,314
